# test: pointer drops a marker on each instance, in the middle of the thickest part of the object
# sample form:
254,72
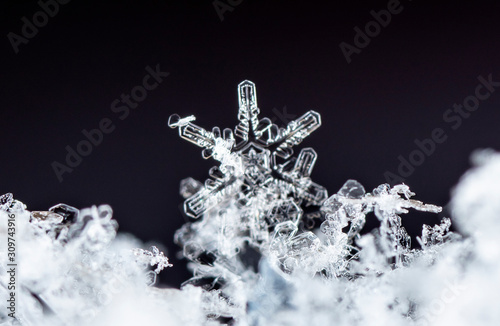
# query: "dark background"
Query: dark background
396,90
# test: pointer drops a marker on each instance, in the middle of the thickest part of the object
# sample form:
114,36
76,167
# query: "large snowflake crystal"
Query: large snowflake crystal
249,166
250,173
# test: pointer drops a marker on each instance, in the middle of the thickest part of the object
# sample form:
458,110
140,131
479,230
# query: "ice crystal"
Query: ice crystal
70,263
152,257
249,169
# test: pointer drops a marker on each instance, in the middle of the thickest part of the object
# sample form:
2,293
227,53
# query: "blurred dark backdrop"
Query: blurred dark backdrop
396,89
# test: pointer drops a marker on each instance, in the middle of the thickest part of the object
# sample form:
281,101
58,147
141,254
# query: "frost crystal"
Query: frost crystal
70,264
153,258
249,170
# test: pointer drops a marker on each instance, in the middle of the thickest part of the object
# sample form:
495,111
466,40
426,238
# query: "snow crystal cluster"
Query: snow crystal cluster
267,246
69,264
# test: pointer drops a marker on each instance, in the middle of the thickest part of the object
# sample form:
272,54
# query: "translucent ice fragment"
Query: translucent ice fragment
436,235
328,228
6,201
284,211
352,189
285,230
312,193
305,241
176,121
47,217
150,278
189,187
69,213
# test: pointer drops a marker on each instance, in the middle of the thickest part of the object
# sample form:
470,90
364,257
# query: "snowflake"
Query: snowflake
249,169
